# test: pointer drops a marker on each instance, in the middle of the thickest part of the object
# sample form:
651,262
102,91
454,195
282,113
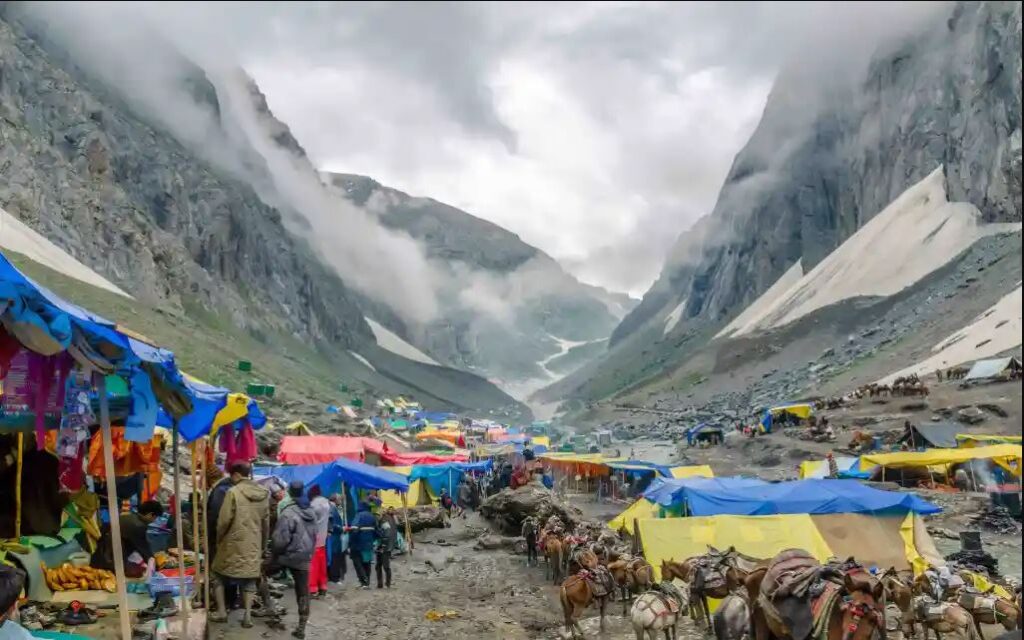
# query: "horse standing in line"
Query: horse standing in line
553,552
655,611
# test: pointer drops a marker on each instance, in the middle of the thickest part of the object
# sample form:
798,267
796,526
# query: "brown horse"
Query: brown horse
856,613
582,559
901,593
945,617
689,571
578,593
632,576
553,552
989,608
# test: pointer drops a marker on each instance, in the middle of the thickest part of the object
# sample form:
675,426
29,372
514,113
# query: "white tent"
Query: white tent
984,369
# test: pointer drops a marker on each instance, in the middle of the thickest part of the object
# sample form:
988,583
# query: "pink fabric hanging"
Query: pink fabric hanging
238,442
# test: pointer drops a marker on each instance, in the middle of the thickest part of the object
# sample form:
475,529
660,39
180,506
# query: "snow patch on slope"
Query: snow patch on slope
753,314
18,237
395,344
994,331
919,232
673,317
363,360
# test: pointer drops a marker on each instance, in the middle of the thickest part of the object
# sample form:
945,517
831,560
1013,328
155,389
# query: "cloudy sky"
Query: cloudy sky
596,131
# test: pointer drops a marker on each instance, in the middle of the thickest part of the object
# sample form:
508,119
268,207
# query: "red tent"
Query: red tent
396,459
319,449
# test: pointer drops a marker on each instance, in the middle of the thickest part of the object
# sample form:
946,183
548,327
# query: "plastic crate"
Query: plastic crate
163,584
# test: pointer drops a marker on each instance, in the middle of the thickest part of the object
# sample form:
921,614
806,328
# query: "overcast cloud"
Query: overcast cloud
596,131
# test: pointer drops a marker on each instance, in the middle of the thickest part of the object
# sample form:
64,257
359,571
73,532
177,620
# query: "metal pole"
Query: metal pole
112,507
183,604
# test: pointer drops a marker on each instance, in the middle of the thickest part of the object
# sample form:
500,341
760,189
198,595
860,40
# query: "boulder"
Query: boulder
426,517
490,542
508,508
970,415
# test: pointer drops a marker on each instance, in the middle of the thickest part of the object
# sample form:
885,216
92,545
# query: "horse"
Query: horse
578,592
852,608
731,620
989,608
553,552
660,610
632,576
694,571
945,617
580,559
901,593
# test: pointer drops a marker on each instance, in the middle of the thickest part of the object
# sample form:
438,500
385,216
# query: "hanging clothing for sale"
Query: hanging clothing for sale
33,391
141,421
74,431
129,457
238,442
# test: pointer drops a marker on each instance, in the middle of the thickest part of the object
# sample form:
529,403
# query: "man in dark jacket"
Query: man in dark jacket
387,540
291,548
363,534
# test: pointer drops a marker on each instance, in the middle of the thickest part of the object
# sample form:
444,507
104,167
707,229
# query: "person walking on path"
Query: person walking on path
318,568
529,532
291,548
363,534
337,542
387,540
242,532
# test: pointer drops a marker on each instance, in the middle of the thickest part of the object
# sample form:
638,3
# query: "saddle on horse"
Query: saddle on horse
599,579
710,572
791,582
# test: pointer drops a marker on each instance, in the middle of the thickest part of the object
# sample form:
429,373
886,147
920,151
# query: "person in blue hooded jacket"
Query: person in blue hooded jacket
362,536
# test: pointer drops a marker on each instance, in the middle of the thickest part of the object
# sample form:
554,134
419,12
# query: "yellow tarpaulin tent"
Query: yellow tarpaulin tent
1007,456
639,510
967,440
419,491
799,410
693,471
540,441
900,541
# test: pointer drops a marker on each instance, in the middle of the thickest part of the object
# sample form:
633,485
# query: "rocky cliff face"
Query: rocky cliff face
950,97
509,308
174,223
821,164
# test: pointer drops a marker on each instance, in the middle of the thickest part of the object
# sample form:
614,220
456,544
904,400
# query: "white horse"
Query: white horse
655,611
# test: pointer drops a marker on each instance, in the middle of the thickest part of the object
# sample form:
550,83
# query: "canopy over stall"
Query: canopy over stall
358,475
967,440
305,450
448,475
1007,456
940,435
667,492
396,458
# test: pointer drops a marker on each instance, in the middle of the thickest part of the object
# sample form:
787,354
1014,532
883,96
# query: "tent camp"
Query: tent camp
705,432
692,471
669,492
898,540
994,368
785,413
939,435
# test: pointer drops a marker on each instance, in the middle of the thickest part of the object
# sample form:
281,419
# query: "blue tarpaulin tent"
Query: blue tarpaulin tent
705,428
800,496
639,467
669,491
307,473
357,475
447,475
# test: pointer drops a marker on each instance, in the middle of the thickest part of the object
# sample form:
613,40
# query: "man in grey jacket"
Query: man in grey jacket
291,547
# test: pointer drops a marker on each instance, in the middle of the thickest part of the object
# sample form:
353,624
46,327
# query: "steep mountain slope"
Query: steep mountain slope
88,169
809,178
510,305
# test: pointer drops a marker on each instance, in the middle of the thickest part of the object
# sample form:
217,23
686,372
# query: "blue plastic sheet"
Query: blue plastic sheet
447,475
669,491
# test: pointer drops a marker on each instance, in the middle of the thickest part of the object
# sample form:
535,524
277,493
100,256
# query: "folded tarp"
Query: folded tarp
801,496
669,491
1007,456
396,458
319,449
357,475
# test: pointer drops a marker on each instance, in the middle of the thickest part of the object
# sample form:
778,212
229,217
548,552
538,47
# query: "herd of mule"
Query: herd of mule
791,596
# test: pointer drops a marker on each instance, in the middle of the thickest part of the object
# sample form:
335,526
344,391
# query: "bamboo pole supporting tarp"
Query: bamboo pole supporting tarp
206,527
183,603
408,527
17,486
112,508
196,549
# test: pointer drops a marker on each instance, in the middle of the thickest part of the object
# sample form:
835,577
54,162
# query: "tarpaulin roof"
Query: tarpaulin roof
700,470
801,496
358,475
936,434
976,439
819,468
446,476
318,449
988,368
801,410
668,491
639,467
397,458
640,509
433,416
900,541
1007,456
287,473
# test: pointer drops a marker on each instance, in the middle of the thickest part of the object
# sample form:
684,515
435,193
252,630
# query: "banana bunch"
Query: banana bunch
69,578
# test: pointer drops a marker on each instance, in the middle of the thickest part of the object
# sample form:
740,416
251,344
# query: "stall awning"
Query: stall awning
318,449
1007,456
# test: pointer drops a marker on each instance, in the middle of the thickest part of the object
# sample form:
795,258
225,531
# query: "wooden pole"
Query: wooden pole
206,528
112,507
17,486
194,467
408,527
183,603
